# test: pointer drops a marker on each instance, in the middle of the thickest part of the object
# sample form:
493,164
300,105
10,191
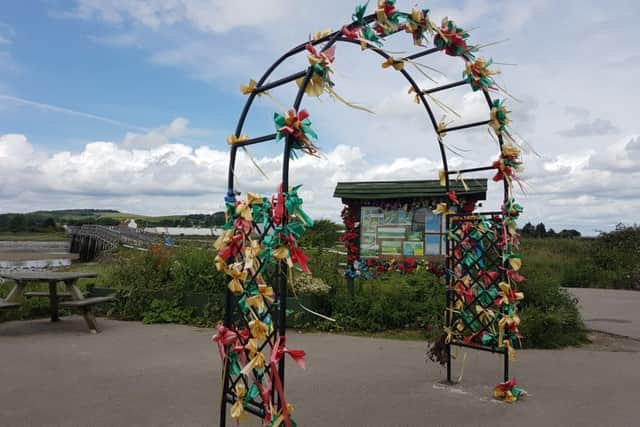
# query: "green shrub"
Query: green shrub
162,311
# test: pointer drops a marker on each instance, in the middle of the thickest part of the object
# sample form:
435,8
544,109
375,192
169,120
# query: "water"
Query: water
28,255
34,264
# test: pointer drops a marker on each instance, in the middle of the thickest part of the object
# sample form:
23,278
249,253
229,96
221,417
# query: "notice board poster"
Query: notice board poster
399,232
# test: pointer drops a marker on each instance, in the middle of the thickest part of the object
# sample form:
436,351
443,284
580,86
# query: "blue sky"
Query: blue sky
126,104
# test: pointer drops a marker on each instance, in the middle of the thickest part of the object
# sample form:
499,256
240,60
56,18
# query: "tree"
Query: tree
569,234
551,233
49,223
541,230
107,221
17,223
528,229
323,234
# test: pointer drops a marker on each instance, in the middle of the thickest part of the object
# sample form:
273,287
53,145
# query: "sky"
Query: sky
127,104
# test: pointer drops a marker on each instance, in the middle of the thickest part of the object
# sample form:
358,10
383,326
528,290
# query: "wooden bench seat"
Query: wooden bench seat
86,302
46,294
8,305
85,306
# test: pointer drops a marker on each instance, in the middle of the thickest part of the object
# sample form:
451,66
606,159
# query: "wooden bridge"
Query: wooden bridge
90,240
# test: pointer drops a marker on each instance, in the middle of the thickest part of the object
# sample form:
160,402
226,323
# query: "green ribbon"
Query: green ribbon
501,115
231,216
251,395
470,322
293,204
234,363
488,339
486,297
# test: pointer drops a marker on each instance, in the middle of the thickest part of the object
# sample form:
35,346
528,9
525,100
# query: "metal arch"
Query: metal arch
331,39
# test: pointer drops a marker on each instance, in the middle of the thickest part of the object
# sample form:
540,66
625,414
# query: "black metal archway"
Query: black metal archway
476,265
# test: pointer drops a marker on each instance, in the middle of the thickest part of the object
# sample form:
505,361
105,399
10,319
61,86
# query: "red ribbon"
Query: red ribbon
278,351
297,255
453,197
243,225
351,34
488,277
277,207
507,385
224,338
233,249
466,294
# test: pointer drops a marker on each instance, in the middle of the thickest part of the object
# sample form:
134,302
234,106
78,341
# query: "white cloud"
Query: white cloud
157,137
161,178
205,15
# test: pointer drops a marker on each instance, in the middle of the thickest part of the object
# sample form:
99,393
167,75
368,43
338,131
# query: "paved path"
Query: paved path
169,375
612,311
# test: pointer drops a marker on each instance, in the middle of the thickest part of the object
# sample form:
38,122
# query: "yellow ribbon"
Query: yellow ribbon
224,240
248,88
515,263
235,285
266,292
449,335
315,87
464,184
416,97
252,347
280,420
397,64
233,139
509,150
253,198
282,253
244,210
220,263
256,301
502,324
238,407
257,362
320,34
442,209
506,293
443,177
485,315
506,395
511,353
251,253
258,329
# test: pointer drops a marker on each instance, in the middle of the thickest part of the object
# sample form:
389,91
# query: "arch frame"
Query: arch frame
281,283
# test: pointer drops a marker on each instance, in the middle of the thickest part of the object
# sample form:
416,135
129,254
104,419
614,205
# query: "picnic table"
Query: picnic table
77,299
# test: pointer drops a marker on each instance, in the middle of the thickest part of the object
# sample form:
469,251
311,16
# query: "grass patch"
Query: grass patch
24,236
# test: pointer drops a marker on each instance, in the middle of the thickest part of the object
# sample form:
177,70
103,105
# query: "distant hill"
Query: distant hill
53,219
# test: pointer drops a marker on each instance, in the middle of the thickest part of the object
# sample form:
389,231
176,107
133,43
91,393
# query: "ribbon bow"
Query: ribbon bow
509,296
418,24
479,76
452,39
488,277
258,329
499,119
238,407
238,277
442,209
278,351
387,18
293,204
224,337
248,88
298,126
397,64
508,391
